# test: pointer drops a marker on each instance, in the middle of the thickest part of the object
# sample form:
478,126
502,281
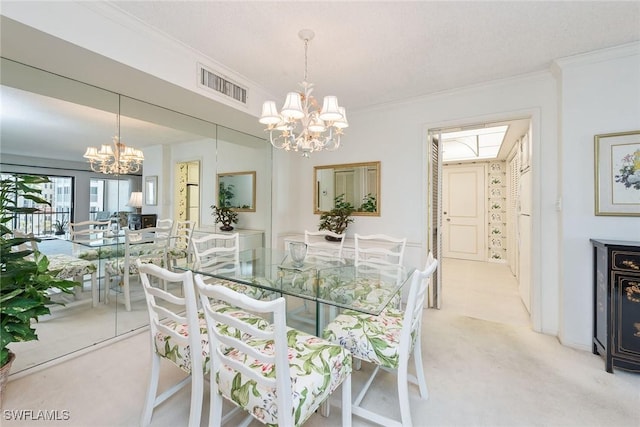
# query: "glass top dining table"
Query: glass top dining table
331,284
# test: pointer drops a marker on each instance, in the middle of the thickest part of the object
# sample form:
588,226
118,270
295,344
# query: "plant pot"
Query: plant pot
4,375
59,233
226,228
332,239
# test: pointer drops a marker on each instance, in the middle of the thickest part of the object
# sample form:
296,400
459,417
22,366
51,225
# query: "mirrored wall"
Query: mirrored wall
47,123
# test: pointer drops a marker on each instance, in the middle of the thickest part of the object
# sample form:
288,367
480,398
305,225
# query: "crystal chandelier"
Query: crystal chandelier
300,126
115,160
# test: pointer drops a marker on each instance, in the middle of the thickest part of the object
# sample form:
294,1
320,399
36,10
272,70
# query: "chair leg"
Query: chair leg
107,285
197,393
94,289
403,393
152,390
417,357
346,402
125,291
215,404
77,290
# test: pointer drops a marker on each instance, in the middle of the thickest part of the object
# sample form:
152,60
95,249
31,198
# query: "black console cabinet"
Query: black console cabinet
138,221
616,308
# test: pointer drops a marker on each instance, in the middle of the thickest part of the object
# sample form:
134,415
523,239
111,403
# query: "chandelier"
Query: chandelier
300,126
117,159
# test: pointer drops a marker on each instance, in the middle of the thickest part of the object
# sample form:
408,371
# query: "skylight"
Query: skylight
475,144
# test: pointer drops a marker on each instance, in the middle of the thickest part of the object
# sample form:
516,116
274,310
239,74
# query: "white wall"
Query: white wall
395,134
600,94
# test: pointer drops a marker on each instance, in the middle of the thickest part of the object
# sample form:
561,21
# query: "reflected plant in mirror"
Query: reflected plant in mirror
355,183
237,191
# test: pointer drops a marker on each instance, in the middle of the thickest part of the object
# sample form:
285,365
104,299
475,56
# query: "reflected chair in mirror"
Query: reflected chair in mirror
319,247
379,249
66,266
220,254
176,336
279,375
180,244
86,231
102,216
164,227
148,245
388,341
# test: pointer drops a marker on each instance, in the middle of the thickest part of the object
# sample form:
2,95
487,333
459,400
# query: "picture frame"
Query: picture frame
617,174
151,190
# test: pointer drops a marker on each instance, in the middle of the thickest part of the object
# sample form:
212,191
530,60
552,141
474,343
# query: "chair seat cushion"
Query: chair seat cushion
248,290
317,368
116,267
177,253
365,293
375,339
181,354
67,266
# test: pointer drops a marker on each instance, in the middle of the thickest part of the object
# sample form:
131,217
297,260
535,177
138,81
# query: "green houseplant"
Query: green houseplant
25,277
369,203
225,216
338,218
60,226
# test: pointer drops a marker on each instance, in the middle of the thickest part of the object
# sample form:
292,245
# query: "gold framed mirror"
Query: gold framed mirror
354,183
237,190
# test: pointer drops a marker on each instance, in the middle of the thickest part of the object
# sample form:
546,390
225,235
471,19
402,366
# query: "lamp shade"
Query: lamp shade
293,106
135,201
270,114
330,110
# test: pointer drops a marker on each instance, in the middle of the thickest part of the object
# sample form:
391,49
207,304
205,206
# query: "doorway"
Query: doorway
187,191
454,188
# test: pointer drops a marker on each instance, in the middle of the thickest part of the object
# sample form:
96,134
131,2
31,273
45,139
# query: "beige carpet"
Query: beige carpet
480,373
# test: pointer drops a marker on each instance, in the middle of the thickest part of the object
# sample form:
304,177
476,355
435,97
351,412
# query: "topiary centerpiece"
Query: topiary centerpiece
338,218
225,216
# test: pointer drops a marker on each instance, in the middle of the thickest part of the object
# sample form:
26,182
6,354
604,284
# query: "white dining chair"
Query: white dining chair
379,249
165,227
321,248
279,375
86,231
147,245
176,336
180,244
65,266
388,341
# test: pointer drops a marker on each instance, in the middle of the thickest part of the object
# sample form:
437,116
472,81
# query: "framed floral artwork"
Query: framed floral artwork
617,174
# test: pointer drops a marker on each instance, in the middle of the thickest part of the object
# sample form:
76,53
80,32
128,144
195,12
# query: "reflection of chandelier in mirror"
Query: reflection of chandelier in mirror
115,160
302,127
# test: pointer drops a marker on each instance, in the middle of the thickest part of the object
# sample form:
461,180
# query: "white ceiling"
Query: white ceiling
369,53
366,53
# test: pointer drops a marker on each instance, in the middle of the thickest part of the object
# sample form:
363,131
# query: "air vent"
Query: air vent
211,80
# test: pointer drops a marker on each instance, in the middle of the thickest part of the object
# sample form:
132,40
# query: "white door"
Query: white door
463,212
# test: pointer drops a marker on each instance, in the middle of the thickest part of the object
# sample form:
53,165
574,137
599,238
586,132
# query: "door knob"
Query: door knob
448,219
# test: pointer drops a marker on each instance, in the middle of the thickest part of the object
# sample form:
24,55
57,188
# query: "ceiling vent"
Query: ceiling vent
220,84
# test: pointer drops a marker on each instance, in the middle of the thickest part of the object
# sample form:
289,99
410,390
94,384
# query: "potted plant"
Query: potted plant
369,203
225,216
24,274
60,227
338,218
